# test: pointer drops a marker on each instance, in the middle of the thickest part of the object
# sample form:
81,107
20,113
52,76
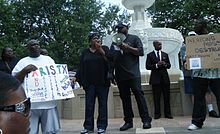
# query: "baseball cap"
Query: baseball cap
121,24
191,33
32,42
92,35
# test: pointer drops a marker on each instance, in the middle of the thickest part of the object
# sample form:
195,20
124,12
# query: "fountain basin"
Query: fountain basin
131,4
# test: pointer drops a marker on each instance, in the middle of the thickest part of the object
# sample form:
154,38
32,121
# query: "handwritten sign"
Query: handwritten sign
203,51
49,82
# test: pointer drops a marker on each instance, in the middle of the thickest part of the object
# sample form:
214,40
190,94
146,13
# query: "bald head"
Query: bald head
157,45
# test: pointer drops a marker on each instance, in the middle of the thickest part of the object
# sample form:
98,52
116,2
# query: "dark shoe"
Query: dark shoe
157,117
213,114
169,117
86,131
146,125
126,126
101,131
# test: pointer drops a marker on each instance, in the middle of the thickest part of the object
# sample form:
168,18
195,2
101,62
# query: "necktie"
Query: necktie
158,55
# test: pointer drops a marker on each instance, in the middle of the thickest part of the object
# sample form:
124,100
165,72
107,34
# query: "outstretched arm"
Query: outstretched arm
20,75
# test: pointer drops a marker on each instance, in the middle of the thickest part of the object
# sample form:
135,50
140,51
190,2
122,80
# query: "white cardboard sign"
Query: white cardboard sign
49,82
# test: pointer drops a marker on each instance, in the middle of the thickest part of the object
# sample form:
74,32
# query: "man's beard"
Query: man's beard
34,55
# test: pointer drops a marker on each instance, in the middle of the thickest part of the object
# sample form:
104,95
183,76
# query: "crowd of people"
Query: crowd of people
99,66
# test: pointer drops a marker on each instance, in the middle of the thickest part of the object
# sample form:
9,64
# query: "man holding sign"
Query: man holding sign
202,80
44,112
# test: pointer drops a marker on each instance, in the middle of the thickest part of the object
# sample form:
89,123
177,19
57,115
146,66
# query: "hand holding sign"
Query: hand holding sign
49,82
203,51
29,68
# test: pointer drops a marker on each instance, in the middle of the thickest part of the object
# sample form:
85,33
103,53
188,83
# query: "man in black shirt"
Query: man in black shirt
128,77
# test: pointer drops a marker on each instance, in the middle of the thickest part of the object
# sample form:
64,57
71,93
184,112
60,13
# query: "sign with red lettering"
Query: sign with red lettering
203,51
49,82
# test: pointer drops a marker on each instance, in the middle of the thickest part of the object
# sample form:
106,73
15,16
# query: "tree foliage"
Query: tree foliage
62,26
181,14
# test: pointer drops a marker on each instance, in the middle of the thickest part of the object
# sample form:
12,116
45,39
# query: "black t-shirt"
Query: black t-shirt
11,64
126,64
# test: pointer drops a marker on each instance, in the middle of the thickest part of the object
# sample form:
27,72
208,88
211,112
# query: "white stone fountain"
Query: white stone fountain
171,39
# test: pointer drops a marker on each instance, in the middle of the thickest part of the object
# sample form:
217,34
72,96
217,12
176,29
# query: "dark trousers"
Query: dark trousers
125,88
157,91
91,92
200,87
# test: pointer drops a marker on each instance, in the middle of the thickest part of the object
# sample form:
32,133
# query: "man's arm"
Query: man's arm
20,75
125,46
150,65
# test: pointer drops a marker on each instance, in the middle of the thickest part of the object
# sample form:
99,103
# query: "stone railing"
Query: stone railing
75,108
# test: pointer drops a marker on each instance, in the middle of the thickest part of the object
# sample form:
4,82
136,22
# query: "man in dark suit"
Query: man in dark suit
158,62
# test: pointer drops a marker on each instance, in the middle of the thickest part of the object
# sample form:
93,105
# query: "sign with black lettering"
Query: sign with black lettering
49,82
203,51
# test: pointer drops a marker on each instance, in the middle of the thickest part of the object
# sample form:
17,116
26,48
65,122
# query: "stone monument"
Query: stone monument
140,25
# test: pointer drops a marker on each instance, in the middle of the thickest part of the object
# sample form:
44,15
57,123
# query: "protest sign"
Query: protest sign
203,51
49,82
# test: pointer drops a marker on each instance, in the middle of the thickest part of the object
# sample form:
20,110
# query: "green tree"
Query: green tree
181,14
9,26
62,26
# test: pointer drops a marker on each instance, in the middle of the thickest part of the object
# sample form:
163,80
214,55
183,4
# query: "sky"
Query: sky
114,2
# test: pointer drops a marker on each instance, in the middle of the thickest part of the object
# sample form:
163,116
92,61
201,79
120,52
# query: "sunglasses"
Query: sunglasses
21,107
95,38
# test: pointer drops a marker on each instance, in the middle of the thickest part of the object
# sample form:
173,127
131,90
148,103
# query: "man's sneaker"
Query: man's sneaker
193,127
100,131
86,131
213,114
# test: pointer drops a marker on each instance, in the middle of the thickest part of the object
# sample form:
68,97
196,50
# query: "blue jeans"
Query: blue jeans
91,92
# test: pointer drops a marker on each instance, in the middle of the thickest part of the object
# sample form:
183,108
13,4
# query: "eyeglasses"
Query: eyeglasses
21,107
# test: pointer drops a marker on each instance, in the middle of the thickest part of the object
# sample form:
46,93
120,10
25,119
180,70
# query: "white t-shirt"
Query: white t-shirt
39,61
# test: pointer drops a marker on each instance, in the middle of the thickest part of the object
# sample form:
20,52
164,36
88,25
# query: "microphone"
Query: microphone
118,38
